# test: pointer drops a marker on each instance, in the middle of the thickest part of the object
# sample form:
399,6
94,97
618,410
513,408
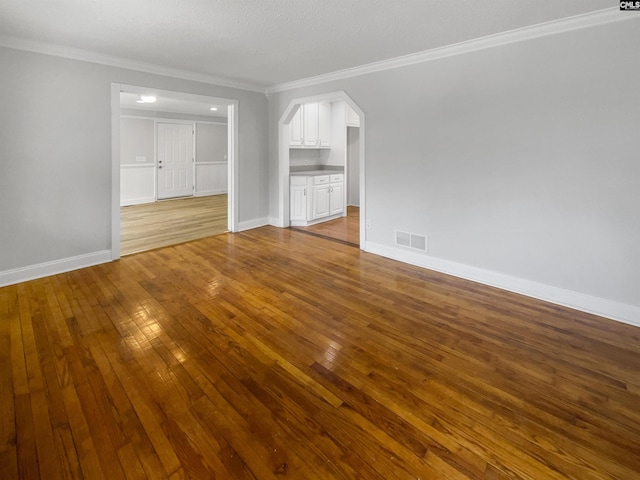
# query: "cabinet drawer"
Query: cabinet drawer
338,177
319,180
296,180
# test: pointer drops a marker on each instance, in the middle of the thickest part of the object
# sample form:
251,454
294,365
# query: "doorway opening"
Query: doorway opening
173,167
321,167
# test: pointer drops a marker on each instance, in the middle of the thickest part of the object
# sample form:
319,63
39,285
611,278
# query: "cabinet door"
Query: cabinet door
324,124
352,118
310,124
295,129
337,198
298,203
321,200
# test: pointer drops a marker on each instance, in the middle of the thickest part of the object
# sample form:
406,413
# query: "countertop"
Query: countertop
315,173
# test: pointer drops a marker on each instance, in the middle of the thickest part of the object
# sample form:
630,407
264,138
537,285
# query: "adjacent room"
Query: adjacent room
320,240
173,169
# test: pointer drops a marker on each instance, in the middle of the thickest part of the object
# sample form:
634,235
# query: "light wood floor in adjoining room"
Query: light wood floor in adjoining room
272,354
168,222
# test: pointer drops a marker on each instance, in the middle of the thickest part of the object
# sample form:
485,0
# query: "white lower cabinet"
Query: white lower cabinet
298,203
315,198
336,198
321,200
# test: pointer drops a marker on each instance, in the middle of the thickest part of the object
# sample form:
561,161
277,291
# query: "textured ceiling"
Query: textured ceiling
176,103
267,42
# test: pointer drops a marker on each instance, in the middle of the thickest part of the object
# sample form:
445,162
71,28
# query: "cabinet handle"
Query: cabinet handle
305,192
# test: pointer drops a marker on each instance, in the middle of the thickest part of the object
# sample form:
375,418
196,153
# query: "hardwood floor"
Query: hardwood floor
277,354
345,229
169,222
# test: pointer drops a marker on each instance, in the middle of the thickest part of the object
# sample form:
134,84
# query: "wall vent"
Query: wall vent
411,240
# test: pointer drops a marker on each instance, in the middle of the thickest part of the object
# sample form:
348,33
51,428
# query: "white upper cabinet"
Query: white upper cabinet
324,124
311,126
310,111
351,118
296,129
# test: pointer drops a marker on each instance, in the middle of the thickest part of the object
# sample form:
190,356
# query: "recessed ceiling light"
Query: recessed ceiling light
214,109
147,99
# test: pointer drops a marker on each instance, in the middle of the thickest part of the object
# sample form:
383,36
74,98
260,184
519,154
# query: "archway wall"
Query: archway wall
515,165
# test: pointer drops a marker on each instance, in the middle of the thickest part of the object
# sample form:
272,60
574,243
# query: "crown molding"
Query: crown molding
112,61
591,19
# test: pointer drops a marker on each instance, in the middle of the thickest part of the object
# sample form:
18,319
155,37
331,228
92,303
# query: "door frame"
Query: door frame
283,156
232,153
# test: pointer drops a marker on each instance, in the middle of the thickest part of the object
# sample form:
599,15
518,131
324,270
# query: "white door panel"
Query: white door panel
175,160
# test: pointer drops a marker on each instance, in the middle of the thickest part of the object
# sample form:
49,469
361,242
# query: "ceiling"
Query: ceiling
268,42
173,102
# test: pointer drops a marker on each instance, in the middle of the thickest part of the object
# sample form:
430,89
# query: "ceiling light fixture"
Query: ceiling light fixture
147,99
214,109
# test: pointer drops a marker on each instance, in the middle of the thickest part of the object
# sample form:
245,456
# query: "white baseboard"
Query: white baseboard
614,310
137,201
274,222
24,274
250,224
207,193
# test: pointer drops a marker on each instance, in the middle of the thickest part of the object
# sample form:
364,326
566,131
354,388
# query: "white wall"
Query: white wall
137,161
138,176
519,161
55,157
211,159
211,142
353,166
136,141
299,157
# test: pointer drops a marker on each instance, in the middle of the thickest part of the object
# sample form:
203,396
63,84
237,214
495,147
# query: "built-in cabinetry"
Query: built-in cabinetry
352,119
316,197
311,126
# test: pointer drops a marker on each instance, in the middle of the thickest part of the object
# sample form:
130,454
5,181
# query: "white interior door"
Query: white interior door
175,160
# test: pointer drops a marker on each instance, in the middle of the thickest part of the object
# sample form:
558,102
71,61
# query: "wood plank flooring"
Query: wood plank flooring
345,229
277,354
169,222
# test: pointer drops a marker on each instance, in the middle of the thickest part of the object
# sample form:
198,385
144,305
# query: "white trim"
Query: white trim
137,165
115,170
274,222
591,19
211,163
233,182
138,201
620,312
251,224
232,152
210,193
24,274
93,57
204,122
148,117
171,120
174,121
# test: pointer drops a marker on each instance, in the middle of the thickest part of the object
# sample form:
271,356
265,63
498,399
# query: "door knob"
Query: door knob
160,166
